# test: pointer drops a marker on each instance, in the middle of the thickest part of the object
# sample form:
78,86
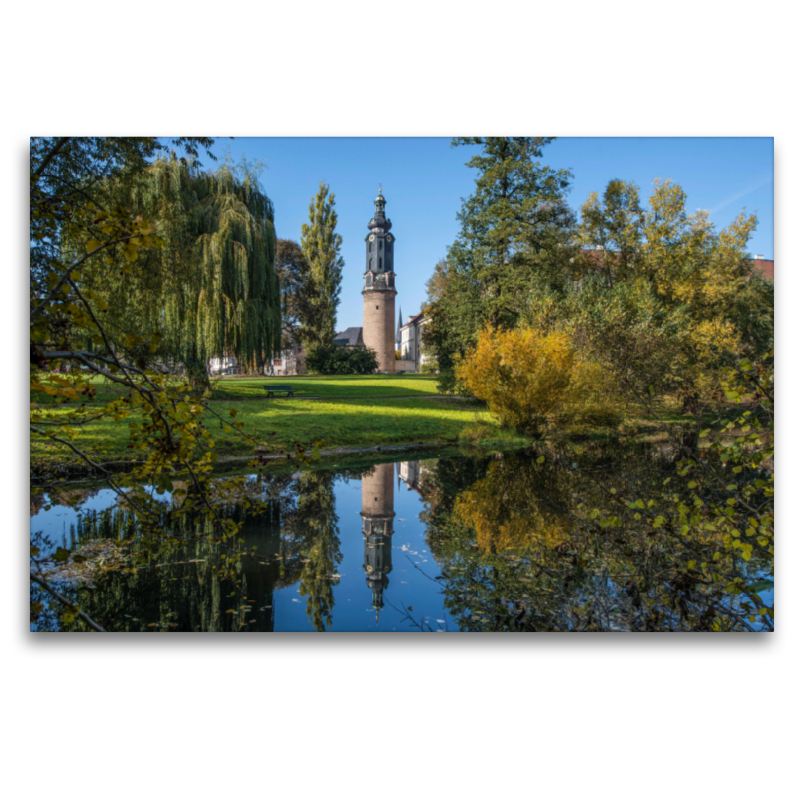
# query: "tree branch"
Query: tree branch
63,600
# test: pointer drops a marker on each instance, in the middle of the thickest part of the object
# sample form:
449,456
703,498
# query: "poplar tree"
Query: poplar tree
321,246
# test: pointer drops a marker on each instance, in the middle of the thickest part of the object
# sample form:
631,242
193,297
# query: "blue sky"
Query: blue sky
424,180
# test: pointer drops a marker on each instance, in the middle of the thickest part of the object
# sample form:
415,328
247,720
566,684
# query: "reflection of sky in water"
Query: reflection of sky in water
56,521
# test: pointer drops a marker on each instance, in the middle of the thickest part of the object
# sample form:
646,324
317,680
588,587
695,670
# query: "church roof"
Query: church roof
352,337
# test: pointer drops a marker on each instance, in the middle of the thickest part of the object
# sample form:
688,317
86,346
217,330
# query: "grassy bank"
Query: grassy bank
233,389
334,413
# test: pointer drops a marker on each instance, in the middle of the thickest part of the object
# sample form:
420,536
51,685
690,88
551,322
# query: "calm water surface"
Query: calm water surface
489,543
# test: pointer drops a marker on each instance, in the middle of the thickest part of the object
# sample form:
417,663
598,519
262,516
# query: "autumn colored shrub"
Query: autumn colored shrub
522,519
531,380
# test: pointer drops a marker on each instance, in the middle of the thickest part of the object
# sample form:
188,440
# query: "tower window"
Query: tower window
380,264
370,264
380,246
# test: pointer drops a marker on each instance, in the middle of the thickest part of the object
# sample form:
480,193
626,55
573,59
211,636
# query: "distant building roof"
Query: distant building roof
352,337
765,266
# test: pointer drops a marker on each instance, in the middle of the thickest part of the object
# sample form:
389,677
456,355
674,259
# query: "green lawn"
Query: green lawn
353,411
333,386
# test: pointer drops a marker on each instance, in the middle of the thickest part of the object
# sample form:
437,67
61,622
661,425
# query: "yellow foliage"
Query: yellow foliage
506,515
529,379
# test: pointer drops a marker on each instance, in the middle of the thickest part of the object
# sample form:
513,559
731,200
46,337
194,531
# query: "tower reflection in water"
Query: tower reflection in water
377,517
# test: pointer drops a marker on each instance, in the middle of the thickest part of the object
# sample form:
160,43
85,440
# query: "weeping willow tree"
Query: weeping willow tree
211,289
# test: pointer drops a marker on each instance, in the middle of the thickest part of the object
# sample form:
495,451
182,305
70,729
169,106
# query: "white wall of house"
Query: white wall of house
224,365
408,343
411,344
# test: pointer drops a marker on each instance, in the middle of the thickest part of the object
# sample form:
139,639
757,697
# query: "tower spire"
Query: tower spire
398,338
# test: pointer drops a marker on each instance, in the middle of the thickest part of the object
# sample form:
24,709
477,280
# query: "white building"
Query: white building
223,365
411,353
290,361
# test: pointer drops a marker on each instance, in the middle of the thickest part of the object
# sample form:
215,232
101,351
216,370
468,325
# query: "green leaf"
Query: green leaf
763,585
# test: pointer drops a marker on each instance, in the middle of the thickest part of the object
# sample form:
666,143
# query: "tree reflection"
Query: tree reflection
316,523
522,546
294,539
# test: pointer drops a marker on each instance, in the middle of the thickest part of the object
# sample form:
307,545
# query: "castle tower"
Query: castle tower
379,290
377,515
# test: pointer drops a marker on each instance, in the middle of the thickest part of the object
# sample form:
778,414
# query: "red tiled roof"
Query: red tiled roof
767,268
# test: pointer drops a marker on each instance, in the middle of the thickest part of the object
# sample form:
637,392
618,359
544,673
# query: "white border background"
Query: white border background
650,716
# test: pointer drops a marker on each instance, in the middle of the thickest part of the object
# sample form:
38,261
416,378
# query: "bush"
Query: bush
530,380
334,359
429,367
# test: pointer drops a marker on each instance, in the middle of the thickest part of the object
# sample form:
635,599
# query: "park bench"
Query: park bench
270,390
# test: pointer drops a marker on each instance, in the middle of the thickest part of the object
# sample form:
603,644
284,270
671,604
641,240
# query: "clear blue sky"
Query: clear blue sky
424,180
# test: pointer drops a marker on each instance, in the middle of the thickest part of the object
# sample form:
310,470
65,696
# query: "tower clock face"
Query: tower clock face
372,237
389,237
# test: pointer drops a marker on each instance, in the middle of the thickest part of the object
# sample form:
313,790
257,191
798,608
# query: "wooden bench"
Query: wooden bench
270,390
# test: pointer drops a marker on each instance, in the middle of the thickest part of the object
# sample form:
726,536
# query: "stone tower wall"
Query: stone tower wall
379,327
377,491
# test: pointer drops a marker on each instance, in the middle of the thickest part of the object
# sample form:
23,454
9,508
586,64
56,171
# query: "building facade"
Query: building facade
411,343
292,359
379,288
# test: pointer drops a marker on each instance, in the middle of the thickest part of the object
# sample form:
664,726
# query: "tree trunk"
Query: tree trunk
197,372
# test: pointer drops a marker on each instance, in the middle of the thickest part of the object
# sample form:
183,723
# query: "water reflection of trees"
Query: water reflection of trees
521,549
294,539
315,526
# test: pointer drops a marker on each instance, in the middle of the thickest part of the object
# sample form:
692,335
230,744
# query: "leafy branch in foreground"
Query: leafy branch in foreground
72,235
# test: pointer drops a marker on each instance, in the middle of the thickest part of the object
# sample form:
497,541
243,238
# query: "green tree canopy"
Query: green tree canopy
293,273
666,300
